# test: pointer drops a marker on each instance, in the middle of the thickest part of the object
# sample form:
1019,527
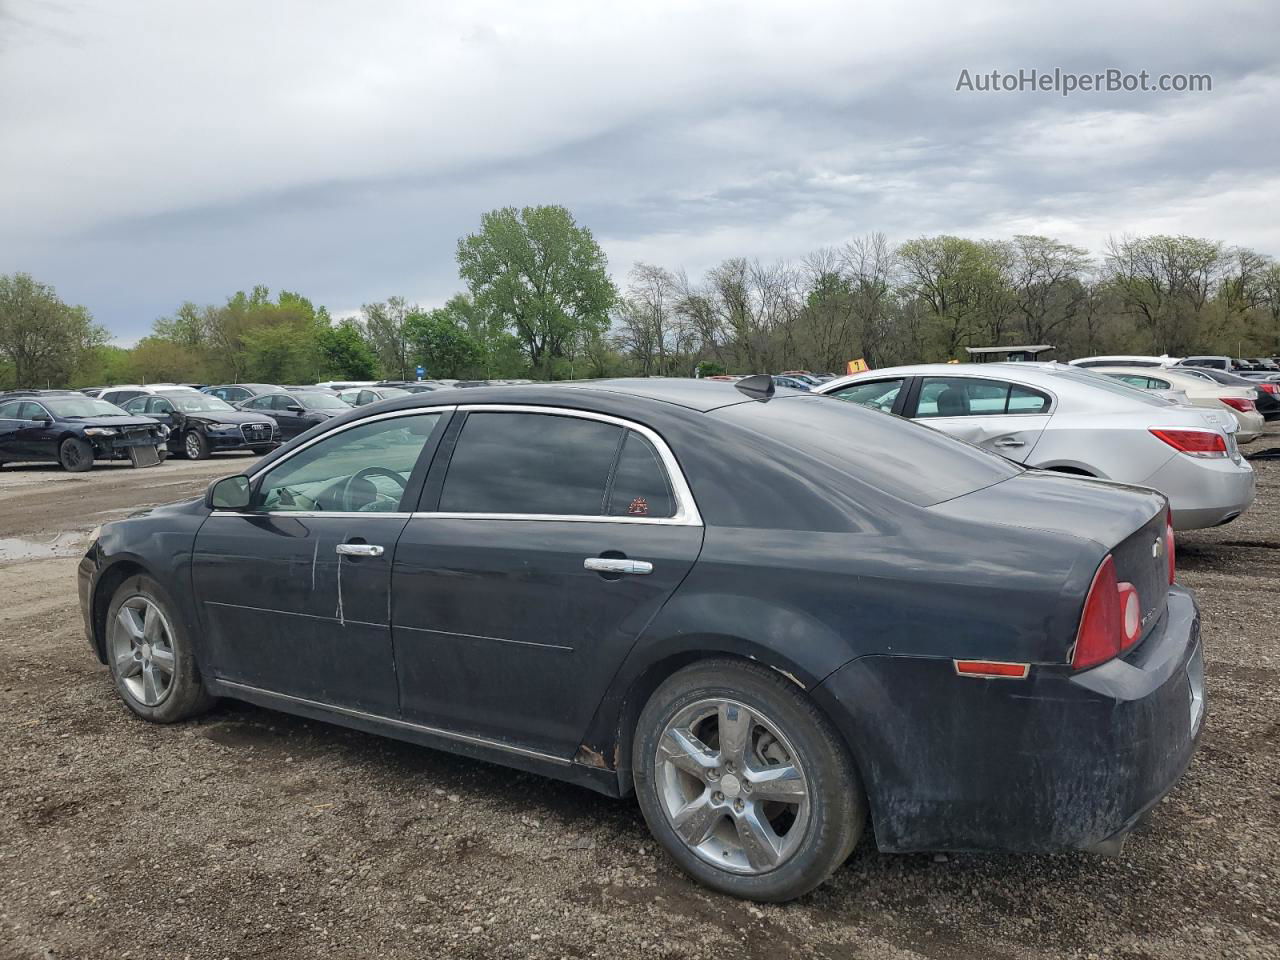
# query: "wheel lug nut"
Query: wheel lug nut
737,805
718,797
713,774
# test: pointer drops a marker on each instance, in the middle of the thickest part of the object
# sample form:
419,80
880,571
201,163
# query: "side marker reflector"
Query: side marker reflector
992,668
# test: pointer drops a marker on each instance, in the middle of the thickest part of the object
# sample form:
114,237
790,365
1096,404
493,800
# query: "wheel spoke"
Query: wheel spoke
150,686
686,752
782,783
162,660
129,620
695,821
128,666
152,626
761,845
735,731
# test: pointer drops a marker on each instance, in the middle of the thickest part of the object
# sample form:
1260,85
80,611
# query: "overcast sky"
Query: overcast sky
154,152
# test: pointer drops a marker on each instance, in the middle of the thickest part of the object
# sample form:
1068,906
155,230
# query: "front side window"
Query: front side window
363,469
136,406
159,405
878,394
32,411
531,463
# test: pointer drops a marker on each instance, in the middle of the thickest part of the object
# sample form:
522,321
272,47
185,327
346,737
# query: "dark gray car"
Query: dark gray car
769,616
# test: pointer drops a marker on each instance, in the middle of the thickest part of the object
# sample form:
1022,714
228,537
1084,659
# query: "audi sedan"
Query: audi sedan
200,424
601,582
1056,417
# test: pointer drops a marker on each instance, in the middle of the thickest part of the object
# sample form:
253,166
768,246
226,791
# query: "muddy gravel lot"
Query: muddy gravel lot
253,834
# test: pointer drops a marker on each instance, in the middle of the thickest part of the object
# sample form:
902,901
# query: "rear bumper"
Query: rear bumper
1204,493
1058,761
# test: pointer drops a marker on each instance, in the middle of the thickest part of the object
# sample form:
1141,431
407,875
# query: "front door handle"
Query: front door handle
359,550
614,565
1010,442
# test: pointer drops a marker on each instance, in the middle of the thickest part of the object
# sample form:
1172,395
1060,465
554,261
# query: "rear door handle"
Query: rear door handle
1010,442
359,550
614,565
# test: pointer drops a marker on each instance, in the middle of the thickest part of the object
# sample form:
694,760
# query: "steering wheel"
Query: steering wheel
364,474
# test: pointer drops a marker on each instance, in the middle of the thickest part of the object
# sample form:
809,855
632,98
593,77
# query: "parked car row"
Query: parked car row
773,616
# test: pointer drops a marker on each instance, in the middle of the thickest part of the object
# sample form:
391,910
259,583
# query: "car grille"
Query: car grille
256,432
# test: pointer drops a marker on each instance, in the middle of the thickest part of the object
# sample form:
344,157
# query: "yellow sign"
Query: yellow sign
857,366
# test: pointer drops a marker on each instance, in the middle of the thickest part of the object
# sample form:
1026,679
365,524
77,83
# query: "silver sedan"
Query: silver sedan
1054,417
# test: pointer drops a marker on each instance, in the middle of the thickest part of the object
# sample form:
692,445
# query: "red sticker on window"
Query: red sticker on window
639,507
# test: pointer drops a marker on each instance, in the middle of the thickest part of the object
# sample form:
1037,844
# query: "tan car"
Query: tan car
1200,393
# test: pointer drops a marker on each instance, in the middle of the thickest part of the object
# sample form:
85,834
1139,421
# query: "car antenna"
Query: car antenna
758,387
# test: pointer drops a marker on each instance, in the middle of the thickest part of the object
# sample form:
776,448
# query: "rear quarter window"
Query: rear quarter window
906,460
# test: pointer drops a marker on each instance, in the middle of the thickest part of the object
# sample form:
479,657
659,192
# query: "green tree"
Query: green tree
535,271
344,352
384,325
41,337
443,345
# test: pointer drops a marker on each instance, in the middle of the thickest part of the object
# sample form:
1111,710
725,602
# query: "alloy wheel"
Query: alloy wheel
142,645
192,444
732,787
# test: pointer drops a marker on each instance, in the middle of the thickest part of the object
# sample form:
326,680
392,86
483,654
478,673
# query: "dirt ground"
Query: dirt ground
253,834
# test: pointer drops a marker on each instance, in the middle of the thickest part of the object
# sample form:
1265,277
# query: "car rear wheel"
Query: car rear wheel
151,659
744,781
75,455
195,445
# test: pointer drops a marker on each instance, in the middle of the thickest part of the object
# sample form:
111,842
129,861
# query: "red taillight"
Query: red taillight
1112,619
1243,404
1269,387
1194,443
1169,542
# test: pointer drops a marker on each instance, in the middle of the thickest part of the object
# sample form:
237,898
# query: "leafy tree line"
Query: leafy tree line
539,303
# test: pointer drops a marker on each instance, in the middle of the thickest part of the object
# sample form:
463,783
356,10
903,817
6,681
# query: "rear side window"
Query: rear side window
972,397
9,411
906,460
531,463
640,486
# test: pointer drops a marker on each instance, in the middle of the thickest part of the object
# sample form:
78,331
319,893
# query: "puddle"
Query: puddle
63,545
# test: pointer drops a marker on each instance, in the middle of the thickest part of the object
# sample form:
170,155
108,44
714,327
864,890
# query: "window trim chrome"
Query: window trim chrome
686,515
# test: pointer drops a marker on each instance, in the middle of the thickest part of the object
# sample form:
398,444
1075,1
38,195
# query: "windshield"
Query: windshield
197,402
320,401
81,407
388,392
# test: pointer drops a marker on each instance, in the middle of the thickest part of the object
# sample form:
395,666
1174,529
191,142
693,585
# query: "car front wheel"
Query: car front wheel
744,782
151,659
195,445
75,455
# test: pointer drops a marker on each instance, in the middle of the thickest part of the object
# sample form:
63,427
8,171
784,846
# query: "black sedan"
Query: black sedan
297,410
74,430
201,425
769,616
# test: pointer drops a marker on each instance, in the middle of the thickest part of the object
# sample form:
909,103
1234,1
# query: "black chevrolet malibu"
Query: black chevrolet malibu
772,616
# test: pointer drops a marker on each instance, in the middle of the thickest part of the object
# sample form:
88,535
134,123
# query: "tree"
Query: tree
384,325
42,337
344,353
960,282
537,272
443,345
1047,280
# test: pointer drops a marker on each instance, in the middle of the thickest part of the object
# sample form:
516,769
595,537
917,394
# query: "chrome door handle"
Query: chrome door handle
358,550
1010,442
613,565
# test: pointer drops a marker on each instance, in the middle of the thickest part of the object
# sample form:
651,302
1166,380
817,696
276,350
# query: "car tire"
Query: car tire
75,455
195,446
771,849
152,661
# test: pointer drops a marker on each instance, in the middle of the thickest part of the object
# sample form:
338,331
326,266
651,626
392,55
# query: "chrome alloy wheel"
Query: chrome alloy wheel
142,645
731,786
192,445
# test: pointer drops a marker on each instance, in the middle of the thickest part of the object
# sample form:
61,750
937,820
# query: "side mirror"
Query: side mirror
229,493
294,408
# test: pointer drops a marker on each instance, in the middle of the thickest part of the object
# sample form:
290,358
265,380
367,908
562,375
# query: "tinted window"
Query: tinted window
32,411
530,463
9,411
907,460
282,401
1026,400
878,394
961,397
640,486
332,474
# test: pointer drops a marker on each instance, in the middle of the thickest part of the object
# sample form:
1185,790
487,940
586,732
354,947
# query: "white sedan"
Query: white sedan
1054,417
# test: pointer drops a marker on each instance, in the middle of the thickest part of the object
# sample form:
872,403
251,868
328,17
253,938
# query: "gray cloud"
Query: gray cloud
170,152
